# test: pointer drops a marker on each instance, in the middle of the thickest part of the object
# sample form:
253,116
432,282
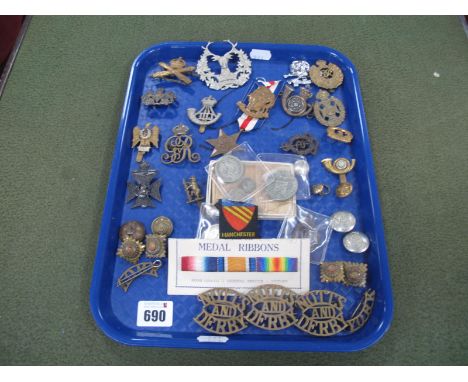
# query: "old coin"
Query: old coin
162,226
133,229
248,185
229,169
281,185
343,221
356,242
237,195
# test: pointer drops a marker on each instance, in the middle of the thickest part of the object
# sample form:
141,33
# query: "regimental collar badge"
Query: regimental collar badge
225,79
155,246
179,147
301,144
144,189
206,115
341,167
363,311
149,268
145,138
299,70
175,71
223,311
193,190
296,105
326,75
329,110
238,220
271,307
158,98
131,250
321,313
339,134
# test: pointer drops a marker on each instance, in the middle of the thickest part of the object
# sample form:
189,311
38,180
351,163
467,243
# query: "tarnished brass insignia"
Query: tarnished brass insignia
326,75
223,311
261,100
340,167
355,274
145,138
133,229
321,313
160,97
363,311
149,268
339,134
329,110
272,307
296,105
332,272
175,71
131,250
179,147
301,144
155,246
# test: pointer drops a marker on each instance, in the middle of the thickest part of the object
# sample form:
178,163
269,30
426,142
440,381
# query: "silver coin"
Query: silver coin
248,185
212,232
356,242
281,185
343,221
229,169
301,167
237,195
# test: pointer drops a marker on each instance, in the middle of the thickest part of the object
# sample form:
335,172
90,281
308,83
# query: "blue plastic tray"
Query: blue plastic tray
115,311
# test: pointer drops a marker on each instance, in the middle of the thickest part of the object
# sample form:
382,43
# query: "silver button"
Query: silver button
356,242
343,221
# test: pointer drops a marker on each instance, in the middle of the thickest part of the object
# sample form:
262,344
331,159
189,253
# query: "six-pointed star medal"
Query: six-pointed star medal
224,143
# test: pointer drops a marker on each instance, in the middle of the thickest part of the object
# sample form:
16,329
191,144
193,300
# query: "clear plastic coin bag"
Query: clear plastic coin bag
208,225
293,166
308,224
238,175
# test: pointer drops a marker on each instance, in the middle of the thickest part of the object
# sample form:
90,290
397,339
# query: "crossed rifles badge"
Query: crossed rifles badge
238,220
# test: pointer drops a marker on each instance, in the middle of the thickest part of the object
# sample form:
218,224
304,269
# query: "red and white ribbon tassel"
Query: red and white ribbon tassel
247,123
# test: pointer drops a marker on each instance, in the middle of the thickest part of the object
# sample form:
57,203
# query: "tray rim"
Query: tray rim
233,343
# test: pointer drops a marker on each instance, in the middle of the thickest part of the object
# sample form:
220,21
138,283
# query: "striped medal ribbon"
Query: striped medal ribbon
238,264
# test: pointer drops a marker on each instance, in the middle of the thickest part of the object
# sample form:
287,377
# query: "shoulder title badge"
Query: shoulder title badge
321,313
223,311
272,307
363,311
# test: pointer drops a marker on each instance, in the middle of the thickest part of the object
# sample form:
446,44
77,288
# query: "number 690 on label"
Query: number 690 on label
154,313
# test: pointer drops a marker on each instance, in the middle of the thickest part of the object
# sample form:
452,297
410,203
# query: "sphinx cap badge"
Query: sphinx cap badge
206,115
145,138
225,79
176,71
